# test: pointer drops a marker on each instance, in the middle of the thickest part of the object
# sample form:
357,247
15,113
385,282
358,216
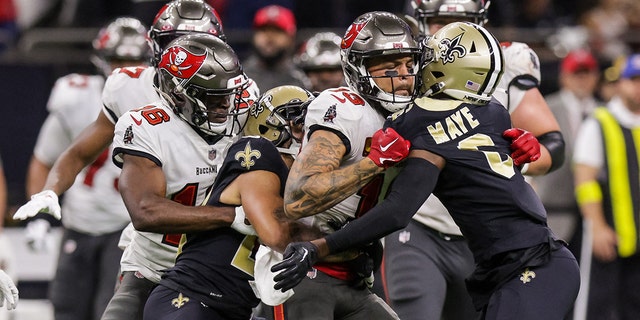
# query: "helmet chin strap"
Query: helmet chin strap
434,89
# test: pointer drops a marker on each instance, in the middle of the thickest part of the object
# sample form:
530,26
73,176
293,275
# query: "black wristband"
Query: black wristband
554,142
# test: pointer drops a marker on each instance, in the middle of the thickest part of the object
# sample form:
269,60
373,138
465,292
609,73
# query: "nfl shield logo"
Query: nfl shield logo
404,236
212,154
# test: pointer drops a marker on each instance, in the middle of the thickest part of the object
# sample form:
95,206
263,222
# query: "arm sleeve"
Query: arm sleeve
53,139
408,192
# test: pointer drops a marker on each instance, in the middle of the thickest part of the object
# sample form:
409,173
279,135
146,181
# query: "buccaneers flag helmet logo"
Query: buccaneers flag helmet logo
352,34
181,63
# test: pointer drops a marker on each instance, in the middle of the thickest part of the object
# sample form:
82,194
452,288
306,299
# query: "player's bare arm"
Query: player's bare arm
84,150
36,175
315,183
142,185
533,114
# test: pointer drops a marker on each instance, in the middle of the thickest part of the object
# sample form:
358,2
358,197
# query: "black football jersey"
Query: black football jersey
496,209
216,265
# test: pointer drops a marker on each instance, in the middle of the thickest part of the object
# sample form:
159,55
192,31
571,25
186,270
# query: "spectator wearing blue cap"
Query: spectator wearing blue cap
607,184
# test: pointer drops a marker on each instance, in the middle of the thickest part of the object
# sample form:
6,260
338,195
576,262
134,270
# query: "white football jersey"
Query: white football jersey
92,205
343,110
519,60
190,166
128,88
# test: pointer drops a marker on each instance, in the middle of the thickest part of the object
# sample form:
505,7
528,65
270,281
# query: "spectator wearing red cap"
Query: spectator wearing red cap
271,62
606,170
578,78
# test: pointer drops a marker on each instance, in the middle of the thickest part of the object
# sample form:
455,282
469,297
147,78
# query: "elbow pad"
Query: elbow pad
554,142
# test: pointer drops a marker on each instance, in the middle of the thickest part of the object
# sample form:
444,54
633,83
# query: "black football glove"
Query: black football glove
299,257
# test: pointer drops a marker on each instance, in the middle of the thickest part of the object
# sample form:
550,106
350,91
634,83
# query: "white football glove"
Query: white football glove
37,232
240,225
45,201
8,291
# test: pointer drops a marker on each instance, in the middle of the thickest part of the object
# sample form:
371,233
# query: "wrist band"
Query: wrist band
588,192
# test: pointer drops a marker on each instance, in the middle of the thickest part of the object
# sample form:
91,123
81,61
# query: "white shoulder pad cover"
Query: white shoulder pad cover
73,90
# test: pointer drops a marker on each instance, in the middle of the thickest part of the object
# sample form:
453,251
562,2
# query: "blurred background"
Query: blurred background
42,40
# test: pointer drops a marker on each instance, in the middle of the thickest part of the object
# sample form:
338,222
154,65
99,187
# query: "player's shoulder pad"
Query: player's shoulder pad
338,102
122,77
251,153
520,59
73,91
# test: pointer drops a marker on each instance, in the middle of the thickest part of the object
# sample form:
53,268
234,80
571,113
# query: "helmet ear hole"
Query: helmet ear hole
437,74
263,129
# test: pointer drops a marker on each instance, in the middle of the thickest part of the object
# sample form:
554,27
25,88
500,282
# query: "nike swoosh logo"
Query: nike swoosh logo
139,122
384,148
304,255
342,100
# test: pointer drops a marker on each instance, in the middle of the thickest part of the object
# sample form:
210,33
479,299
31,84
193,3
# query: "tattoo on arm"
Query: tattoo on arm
316,184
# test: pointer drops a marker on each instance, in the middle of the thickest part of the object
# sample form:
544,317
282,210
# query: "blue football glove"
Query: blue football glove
299,257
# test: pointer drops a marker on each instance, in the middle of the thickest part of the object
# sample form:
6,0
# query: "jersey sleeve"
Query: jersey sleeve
53,139
73,91
522,72
73,104
338,110
134,135
128,88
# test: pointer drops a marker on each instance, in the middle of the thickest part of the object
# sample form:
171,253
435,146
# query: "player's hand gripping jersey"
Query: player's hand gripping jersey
343,112
522,72
479,185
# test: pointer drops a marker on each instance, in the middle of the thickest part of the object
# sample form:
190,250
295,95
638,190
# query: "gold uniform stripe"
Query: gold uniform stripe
619,188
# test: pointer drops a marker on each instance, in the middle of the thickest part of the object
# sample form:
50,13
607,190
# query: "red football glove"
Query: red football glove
388,148
524,146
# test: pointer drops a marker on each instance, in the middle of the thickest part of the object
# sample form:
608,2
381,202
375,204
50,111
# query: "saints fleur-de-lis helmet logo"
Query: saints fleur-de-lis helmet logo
246,157
450,49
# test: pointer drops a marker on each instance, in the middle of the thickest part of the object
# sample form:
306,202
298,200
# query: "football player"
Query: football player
432,240
125,89
460,154
341,155
170,152
210,279
94,212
